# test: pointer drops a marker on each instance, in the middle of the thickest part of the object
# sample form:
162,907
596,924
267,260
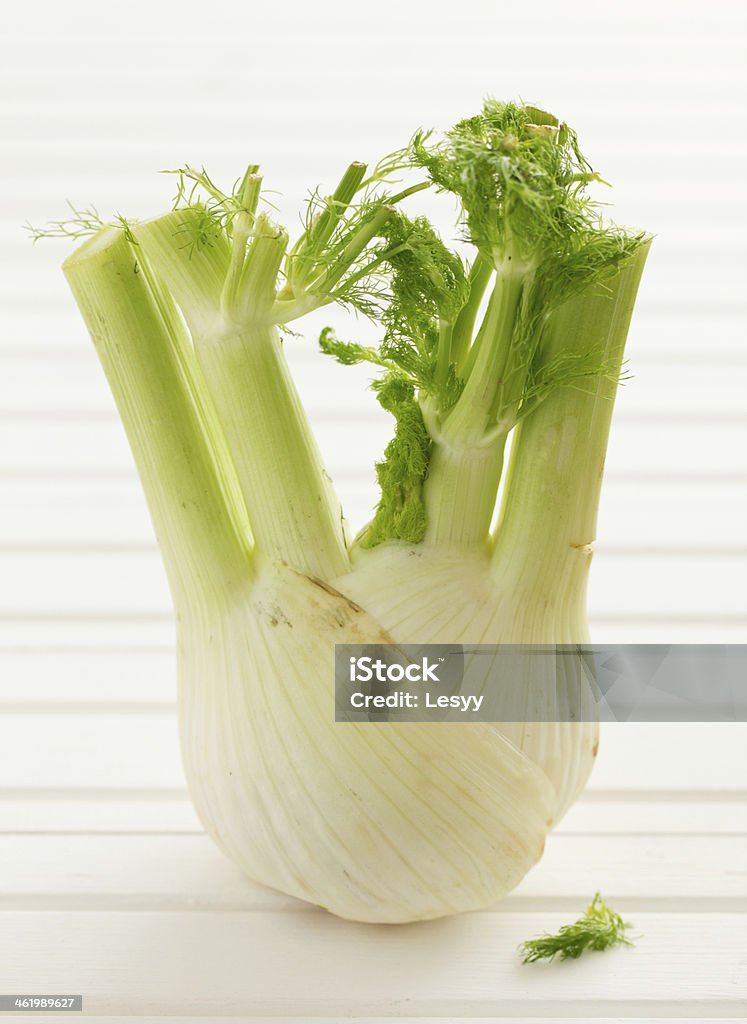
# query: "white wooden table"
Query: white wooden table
107,886
110,889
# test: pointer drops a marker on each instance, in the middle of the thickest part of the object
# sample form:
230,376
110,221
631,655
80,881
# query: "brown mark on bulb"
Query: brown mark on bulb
335,593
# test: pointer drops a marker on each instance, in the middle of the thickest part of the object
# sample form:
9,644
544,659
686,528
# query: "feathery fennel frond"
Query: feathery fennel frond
519,175
400,513
426,286
427,289
350,353
197,190
600,928
521,179
82,223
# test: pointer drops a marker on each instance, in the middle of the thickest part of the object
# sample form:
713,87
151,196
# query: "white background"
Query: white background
100,857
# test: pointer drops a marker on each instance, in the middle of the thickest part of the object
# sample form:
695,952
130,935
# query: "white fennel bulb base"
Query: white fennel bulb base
469,604
375,822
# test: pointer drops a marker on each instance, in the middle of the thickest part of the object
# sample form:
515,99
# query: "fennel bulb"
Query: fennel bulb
377,822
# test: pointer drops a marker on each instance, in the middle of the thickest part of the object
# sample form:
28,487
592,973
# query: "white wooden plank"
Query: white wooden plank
40,334
713,250
653,513
650,447
663,631
112,512
123,633
70,678
114,750
654,77
77,386
411,20
169,872
327,1019
142,192
597,813
85,512
294,42
716,282
326,151
596,125
95,678
672,585
128,872
378,135
673,756
30,1018
664,186
117,634
79,32
43,811
65,447
111,750
657,191
325,155
666,299
224,963
598,116
654,200
628,23
101,582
